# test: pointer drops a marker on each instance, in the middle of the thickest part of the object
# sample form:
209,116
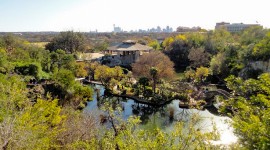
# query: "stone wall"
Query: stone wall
261,65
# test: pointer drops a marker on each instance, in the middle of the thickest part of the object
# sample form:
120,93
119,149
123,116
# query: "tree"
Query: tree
167,42
144,82
81,95
34,127
5,65
106,74
261,50
9,42
154,44
69,41
31,69
196,39
92,67
218,41
10,100
155,66
201,73
78,128
250,109
198,57
252,35
153,73
178,51
68,62
218,64
190,74
101,46
81,70
61,60
64,78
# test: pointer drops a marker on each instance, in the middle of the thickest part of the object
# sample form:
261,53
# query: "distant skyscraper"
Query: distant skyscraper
117,29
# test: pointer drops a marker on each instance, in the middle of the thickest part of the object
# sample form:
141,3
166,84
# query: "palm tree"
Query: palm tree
153,73
143,81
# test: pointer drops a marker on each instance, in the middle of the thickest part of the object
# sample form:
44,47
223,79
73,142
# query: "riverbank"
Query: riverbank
91,82
144,101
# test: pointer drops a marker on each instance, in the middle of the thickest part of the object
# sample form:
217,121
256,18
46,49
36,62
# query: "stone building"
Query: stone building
125,53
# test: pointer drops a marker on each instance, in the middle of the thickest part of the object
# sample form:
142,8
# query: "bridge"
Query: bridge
209,96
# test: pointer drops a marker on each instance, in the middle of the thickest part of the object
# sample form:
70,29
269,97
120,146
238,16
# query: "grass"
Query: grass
180,75
39,44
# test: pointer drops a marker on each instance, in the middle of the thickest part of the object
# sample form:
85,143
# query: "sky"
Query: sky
91,15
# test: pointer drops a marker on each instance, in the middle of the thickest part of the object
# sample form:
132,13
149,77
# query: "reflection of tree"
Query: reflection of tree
111,100
213,110
183,115
145,111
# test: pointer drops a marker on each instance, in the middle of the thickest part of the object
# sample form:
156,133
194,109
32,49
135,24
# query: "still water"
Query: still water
160,115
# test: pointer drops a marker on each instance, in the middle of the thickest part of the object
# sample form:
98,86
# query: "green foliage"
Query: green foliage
10,43
251,110
154,73
178,52
5,65
144,82
67,62
196,40
167,42
202,73
24,125
261,50
69,41
61,60
190,74
10,100
81,95
64,78
198,76
31,69
217,63
252,35
101,46
219,40
36,127
81,69
19,55
155,45
106,74
198,57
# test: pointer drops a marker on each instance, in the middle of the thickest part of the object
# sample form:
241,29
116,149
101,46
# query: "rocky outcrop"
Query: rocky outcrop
261,65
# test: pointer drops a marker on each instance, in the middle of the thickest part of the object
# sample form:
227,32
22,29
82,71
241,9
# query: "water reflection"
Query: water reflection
165,117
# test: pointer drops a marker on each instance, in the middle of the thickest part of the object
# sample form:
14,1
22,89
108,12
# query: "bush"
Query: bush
31,69
148,92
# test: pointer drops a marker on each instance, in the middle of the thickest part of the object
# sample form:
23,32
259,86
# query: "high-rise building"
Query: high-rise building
117,29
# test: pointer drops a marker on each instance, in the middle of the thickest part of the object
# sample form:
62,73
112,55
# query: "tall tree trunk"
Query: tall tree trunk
154,86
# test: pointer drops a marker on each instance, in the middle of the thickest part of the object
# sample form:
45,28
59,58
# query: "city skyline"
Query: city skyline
100,15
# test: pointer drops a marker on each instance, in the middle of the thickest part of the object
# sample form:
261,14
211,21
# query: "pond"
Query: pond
160,116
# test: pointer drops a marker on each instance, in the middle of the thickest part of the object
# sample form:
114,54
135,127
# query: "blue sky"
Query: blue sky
86,15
